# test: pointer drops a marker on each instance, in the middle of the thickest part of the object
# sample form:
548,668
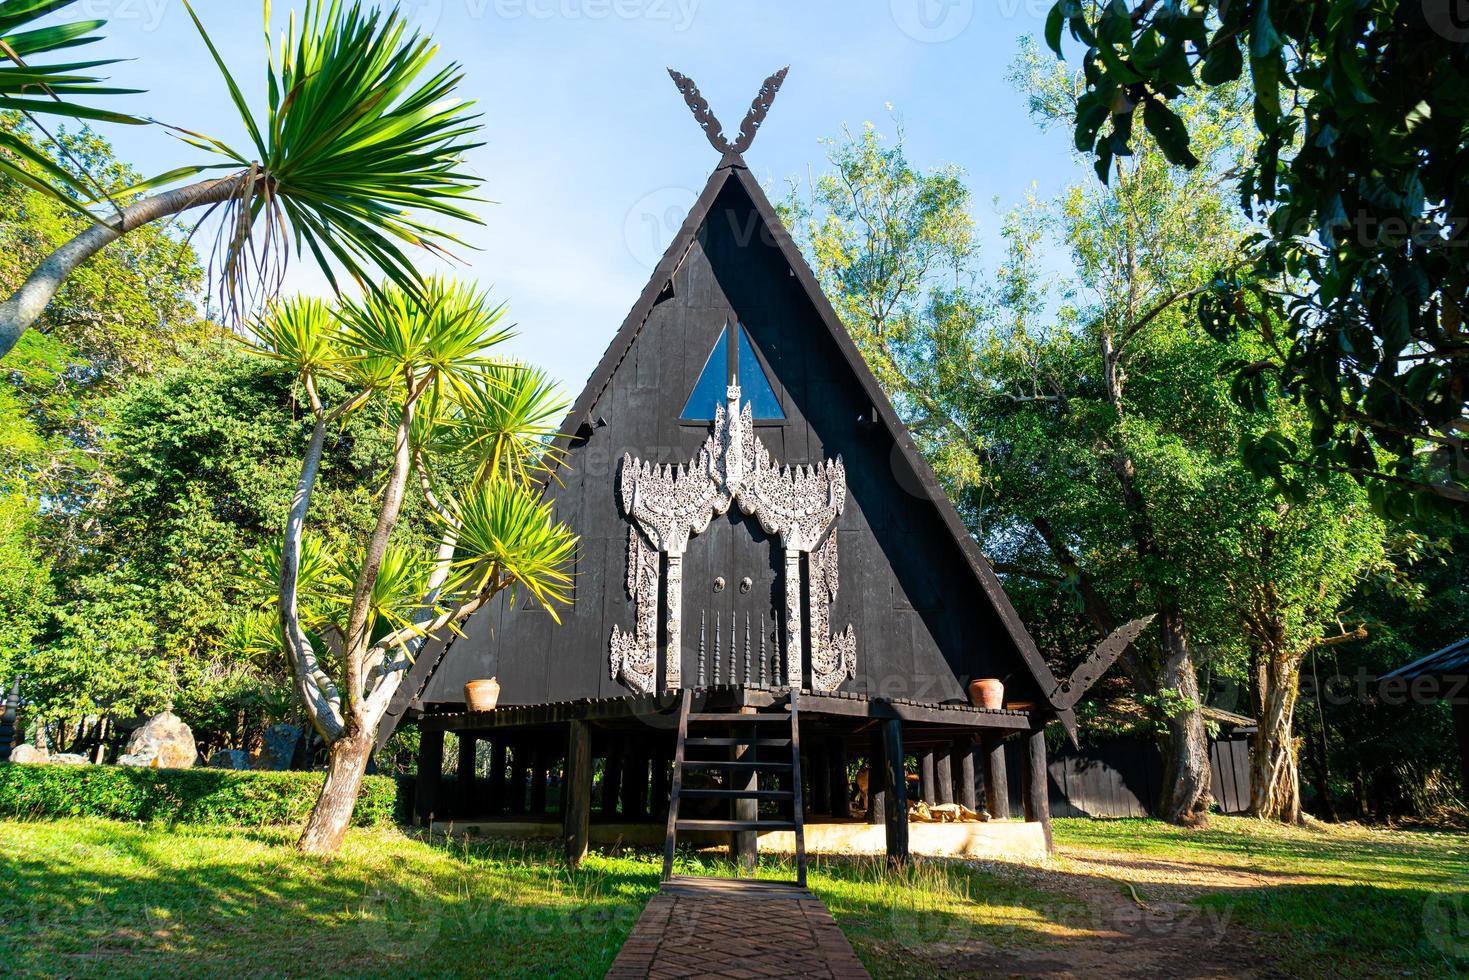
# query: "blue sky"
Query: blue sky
591,155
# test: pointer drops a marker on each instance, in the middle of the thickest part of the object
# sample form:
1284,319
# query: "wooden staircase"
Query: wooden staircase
739,738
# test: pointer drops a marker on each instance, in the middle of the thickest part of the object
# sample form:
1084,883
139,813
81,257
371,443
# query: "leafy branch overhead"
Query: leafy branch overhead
34,89
360,150
1357,278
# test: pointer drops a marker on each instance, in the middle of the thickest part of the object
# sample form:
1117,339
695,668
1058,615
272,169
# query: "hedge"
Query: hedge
205,796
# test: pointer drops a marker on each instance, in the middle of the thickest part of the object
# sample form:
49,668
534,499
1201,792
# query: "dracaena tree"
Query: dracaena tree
34,85
360,149
471,431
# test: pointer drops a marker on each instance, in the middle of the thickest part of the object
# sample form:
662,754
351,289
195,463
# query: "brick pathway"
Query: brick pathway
713,927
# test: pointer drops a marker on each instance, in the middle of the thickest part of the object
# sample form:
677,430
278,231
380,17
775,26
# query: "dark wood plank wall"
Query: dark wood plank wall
1122,777
924,627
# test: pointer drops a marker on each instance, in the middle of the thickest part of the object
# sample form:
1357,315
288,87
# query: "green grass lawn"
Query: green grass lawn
1325,899
98,898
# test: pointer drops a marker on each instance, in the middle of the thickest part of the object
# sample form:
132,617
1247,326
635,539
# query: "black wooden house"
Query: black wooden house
760,540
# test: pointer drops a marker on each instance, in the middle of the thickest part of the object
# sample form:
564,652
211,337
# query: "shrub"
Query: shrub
206,796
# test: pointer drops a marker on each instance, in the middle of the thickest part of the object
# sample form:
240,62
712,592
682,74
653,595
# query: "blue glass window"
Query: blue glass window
708,393
755,386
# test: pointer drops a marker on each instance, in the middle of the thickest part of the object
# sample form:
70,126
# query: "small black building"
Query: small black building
754,520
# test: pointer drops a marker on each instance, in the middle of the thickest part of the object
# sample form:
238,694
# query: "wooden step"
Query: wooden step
736,740
726,716
735,825
772,764
738,794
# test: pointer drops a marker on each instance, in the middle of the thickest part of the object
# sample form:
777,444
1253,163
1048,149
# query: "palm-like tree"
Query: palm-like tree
428,359
361,146
31,86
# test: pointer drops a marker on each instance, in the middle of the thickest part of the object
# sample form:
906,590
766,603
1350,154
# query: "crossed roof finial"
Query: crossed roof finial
758,108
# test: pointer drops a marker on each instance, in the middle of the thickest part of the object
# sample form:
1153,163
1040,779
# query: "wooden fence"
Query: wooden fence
1122,777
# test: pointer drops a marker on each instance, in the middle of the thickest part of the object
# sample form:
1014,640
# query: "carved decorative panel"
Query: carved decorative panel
833,656
666,505
634,656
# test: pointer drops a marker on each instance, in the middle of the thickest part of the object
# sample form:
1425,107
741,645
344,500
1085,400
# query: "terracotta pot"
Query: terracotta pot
987,692
482,695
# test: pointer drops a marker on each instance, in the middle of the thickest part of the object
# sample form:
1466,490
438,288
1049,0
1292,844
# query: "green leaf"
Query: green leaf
1264,41
1055,21
1169,131
1223,63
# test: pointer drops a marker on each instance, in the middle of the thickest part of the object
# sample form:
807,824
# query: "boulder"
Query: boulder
28,753
229,759
70,759
278,748
164,742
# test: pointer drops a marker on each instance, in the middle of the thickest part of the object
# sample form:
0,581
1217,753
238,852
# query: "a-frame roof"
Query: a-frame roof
732,168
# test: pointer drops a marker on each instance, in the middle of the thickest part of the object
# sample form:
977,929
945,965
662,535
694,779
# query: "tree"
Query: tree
1092,447
35,89
360,148
25,579
1358,279
352,622
1296,567
197,462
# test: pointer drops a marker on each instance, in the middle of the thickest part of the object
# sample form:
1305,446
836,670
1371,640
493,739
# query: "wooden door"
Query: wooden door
732,587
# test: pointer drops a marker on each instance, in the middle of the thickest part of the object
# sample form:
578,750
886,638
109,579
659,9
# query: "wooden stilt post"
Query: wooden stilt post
576,792
634,781
612,776
540,762
943,774
430,774
1037,784
495,787
519,769
840,794
467,779
964,748
876,798
820,795
744,844
658,789
895,792
925,776
996,780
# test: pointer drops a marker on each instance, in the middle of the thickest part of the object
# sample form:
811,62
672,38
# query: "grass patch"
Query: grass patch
87,897
1326,899
91,897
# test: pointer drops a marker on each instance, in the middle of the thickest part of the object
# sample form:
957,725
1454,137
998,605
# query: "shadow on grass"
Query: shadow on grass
95,898
91,898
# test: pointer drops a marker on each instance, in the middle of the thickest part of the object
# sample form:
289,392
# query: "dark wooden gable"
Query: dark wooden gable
928,612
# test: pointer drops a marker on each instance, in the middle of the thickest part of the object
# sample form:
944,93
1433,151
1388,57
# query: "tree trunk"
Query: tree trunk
1275,783
346,765
28,302
1185,795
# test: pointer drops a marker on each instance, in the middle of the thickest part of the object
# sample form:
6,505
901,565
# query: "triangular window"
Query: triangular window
721,365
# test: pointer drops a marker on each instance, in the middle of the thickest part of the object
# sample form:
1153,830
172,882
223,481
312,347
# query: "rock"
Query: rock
278,749
70,759
27,753
164,742
229,759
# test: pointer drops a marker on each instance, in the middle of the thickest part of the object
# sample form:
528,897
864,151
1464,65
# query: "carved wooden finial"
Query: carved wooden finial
710,124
